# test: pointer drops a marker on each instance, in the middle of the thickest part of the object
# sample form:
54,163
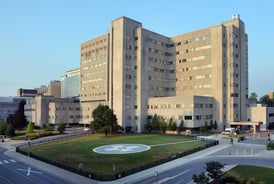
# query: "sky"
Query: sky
40,40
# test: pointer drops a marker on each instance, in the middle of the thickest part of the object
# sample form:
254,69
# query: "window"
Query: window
188,117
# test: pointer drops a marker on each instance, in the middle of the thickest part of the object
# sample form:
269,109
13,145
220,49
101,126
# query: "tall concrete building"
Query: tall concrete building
138,72
54,89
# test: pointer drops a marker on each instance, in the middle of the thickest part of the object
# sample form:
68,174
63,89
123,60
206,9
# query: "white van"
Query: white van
229,131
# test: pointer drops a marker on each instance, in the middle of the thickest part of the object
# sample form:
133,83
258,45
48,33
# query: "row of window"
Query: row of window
170,106
161,70
94,66
88,54
92,80
65,117
197,58
157,88
193,40
93,44
156,42
201,67
197,77
152,50
94,94
204,86
93,58
97,72
65,109
160,61
204,117
197,105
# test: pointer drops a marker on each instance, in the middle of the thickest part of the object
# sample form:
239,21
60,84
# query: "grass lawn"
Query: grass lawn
80,150
261,175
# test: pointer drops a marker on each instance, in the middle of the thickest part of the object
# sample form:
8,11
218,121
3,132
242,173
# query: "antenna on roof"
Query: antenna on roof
235,16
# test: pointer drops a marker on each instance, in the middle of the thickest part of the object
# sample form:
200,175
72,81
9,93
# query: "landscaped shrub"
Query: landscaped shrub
270,146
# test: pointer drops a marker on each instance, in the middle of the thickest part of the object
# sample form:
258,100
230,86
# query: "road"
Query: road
236,154
13,171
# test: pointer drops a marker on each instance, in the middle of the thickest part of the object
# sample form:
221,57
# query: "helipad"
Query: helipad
121,148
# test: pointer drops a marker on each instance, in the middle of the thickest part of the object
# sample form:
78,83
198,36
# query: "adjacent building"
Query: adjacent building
195,77
70,84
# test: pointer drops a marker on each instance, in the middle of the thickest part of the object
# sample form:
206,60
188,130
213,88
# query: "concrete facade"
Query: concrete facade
48,109
261,114
130,66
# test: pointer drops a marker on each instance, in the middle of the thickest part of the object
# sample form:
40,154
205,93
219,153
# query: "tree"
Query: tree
155,122
18,119
253,97
214,169
61,127
30,128
10,131
3,127
215,125
47,127
104,120
267,101
181,126
163,125
200,178
206,126
211,125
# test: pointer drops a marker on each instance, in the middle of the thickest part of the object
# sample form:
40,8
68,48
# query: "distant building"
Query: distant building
70,84
263,115
54,89
43,89
27,92
8,105
48,109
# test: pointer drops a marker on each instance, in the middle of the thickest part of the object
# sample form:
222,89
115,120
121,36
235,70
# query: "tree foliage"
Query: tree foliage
253,97
200,178
266,100
10,131
104,120
30,128
214,169
3,127
18,119
155,122
61,127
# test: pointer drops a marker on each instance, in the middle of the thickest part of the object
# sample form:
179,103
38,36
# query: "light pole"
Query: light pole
28,146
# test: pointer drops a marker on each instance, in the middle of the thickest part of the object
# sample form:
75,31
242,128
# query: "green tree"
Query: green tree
10,131
18,119
215,125
253,97
61,127
3,127
30,128
155,122
266,100
163,125
206,126
148,126
200,178
211,125
173,124
104,120
181,126
214,169
47,127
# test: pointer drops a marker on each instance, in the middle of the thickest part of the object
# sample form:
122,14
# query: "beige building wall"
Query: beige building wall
54,89
193,110
213,62
94,80
130,65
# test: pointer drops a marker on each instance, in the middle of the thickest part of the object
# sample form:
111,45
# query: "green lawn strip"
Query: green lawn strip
72,152
260,174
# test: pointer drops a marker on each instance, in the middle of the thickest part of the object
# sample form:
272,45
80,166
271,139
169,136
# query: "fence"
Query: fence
105,177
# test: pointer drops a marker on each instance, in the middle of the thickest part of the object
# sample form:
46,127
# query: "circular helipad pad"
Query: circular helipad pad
121,148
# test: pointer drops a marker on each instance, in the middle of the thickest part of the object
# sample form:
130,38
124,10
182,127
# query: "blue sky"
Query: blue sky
40,40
